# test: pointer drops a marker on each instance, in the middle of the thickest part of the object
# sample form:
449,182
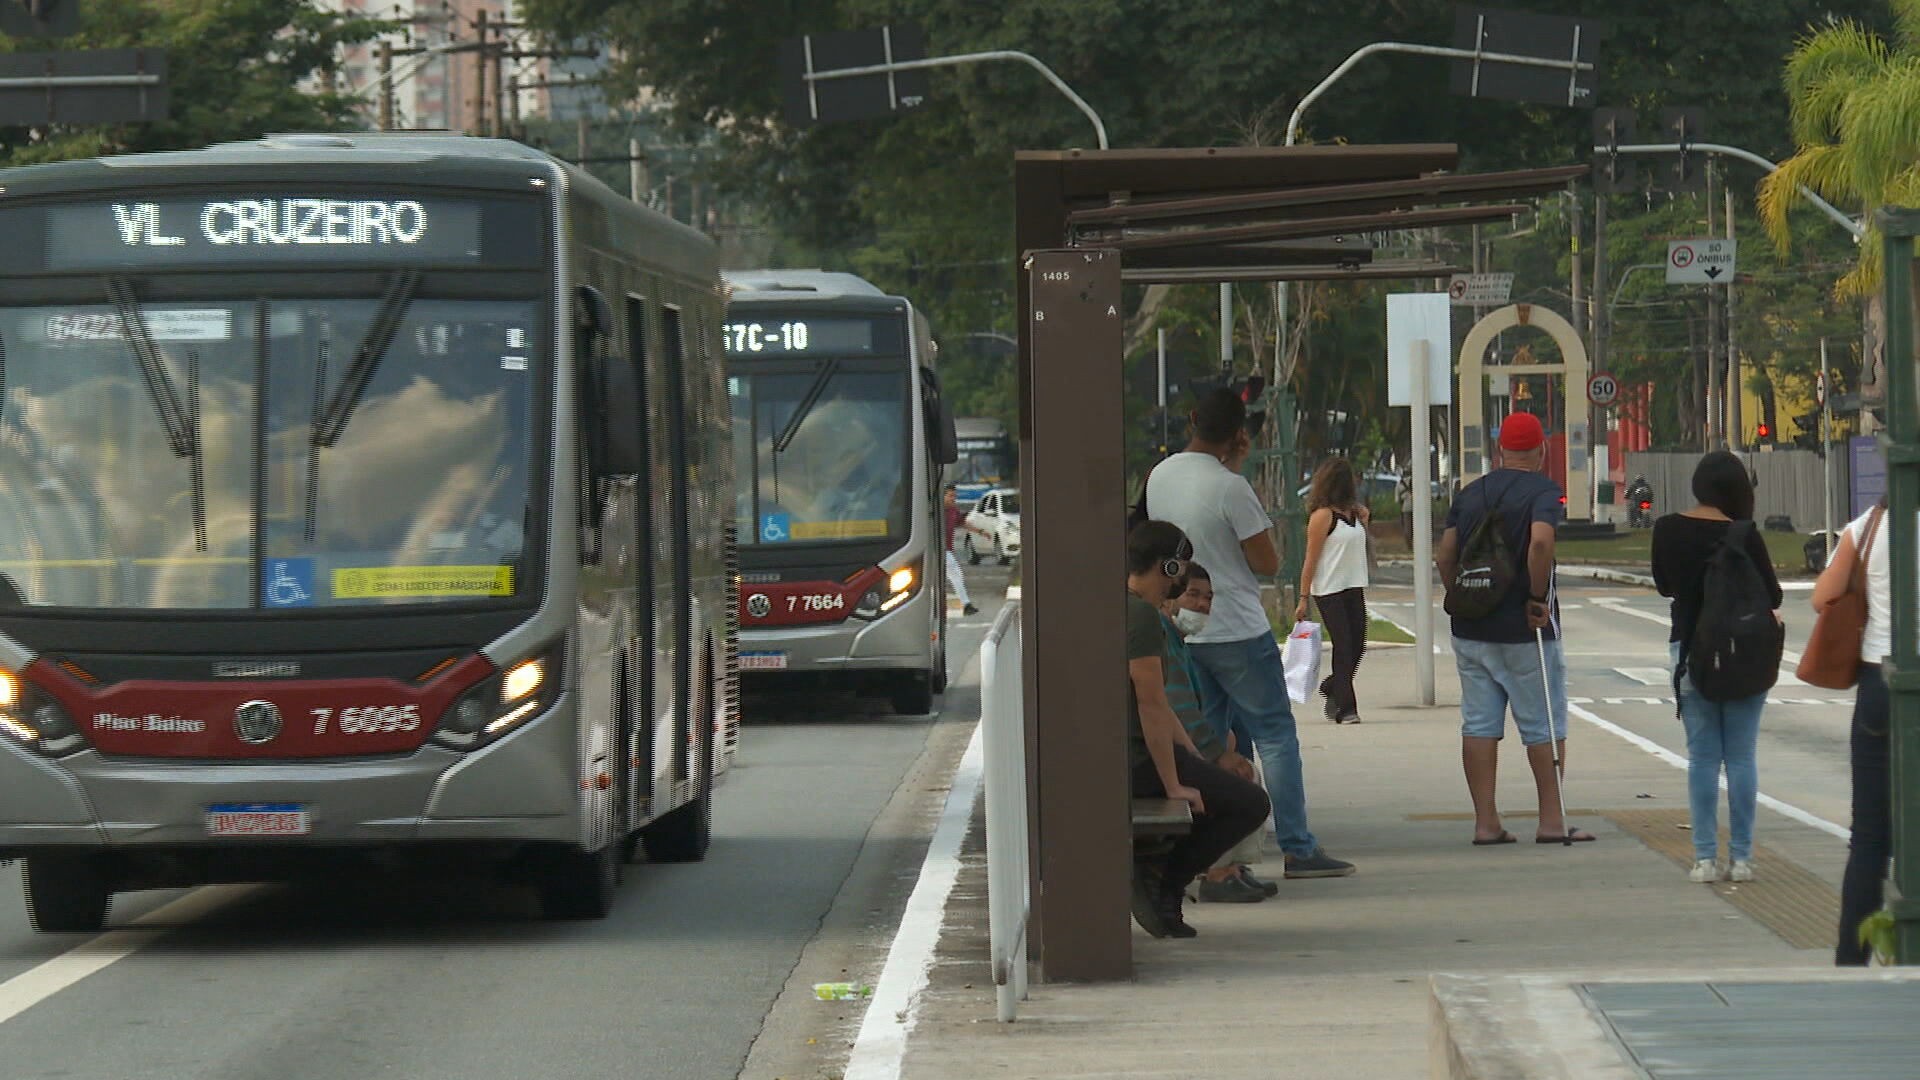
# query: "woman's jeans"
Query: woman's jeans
1344,614
1862,889
1720,733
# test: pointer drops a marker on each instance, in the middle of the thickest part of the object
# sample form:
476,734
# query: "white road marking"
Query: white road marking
1787,677
895,1006
1647,676
38,983
1679,761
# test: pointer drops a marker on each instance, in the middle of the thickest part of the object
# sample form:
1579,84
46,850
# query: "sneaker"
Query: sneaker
1144,900
1177,927
1704,871
1318,864
1331,710
1740,870
1230,890
1267,888
970,609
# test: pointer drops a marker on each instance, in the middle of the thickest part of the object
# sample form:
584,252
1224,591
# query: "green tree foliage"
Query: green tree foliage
1854,95
922,203
236,69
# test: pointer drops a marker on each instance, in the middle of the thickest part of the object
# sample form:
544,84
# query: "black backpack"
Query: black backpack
1486,570
1734,650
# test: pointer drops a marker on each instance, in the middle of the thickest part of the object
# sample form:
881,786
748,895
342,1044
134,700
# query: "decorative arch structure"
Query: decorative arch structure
1475,446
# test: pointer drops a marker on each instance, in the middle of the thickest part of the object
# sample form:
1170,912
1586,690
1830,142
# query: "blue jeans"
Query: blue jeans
1720,733
1243,687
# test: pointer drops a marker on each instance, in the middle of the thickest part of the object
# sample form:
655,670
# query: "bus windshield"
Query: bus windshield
843,474
165,455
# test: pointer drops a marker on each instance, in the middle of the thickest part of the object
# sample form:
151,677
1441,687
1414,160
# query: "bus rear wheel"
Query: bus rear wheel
67,894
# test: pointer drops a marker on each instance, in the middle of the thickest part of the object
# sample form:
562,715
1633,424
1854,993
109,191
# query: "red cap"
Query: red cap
1521,432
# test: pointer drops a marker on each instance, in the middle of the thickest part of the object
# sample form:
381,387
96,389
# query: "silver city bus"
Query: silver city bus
840,435
360,495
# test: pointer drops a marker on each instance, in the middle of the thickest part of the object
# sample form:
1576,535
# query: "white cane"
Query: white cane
1559,772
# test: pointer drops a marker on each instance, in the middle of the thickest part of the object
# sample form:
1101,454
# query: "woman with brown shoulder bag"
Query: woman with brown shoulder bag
1854,598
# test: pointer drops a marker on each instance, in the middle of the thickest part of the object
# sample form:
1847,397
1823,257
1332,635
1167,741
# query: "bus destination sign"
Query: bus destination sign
775,335
227,229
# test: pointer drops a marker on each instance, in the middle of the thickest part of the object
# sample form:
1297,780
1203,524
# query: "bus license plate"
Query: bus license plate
763,661
257,819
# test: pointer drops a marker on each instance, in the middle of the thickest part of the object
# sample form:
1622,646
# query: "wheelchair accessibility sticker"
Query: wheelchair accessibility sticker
775,528
287,583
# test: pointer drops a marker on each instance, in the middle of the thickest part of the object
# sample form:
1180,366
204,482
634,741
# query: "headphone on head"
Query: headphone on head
1182,554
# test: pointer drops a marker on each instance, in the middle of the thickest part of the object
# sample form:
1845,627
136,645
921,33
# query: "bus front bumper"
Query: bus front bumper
520,789
898,641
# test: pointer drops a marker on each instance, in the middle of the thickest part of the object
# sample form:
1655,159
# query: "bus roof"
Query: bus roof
813,284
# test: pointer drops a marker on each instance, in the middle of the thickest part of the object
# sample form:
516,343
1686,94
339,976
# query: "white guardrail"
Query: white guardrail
1004,729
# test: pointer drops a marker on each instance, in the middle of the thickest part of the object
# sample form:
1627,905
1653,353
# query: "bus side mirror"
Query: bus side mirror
593,317
943,443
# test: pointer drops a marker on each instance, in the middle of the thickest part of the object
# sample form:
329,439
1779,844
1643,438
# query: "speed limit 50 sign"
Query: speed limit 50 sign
1602,390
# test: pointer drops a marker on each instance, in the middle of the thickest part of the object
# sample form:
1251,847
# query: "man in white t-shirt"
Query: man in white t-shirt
1242,683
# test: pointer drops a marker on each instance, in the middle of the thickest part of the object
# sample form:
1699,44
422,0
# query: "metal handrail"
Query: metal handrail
1004,737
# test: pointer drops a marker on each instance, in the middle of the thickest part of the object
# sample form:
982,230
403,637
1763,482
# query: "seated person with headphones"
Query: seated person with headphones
1161,757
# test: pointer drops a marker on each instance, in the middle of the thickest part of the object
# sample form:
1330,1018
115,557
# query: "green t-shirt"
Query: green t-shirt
1184,696
1145,637
1149,634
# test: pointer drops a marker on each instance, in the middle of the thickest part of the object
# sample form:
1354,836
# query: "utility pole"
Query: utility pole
1826,446
636,172
1579,305
1163,391
513,107
1597,430
1715,430
1736,431
580,137
499,57
386,86
480,74
1226,329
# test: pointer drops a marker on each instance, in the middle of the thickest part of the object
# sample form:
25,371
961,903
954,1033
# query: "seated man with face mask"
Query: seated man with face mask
1231,880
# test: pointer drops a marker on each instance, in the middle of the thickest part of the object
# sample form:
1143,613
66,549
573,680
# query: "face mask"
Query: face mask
1190,622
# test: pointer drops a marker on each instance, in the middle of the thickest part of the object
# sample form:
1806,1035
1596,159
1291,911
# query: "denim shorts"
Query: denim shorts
1494,676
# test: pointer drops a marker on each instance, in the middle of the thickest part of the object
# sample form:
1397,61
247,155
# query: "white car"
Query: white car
992,528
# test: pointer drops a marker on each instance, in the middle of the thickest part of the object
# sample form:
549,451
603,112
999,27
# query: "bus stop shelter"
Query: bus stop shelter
1086,223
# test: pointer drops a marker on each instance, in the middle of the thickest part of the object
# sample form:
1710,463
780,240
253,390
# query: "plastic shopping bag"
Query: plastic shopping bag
1301,658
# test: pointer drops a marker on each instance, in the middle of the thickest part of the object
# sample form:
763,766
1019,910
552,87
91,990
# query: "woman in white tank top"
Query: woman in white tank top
1335,576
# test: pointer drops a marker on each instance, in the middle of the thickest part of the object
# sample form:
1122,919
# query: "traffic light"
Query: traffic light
1809,436
1764,431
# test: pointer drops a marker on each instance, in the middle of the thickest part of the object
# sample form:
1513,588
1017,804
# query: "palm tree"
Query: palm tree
1855,100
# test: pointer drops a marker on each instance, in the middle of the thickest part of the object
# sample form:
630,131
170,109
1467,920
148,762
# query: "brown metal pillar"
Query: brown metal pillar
1073,588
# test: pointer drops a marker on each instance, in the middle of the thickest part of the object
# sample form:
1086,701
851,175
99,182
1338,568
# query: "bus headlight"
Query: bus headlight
31,717
501,702
897,589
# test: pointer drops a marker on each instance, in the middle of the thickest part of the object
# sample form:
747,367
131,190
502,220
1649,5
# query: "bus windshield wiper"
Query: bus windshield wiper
805,407
333,417
166,402
182,424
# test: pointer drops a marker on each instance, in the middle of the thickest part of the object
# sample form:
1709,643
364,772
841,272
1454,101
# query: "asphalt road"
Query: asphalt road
1617,668
445,978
